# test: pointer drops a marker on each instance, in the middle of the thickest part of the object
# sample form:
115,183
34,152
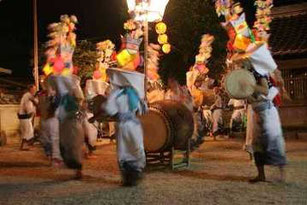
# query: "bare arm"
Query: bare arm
263,87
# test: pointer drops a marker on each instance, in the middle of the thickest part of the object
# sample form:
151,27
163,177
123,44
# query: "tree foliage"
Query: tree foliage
85,58
187,21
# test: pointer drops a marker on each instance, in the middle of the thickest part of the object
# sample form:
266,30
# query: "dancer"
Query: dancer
217,113
178,93
124,103
236,121
268,142
50,124
26,115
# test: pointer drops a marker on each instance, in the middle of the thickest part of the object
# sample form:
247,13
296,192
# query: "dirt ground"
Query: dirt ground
218,175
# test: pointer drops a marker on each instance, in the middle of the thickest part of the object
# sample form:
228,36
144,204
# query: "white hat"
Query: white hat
120,77
262,60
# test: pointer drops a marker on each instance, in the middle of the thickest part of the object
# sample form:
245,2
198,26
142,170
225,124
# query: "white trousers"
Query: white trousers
217,119
50,130
26,129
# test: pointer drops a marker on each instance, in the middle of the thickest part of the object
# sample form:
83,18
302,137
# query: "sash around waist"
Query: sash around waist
261,106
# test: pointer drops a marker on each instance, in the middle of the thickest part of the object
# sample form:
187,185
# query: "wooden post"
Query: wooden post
145,53
35,46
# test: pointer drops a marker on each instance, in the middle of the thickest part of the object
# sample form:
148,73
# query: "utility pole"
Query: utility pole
35,46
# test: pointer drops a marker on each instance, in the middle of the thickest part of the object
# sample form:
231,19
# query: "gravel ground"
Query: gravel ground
218,175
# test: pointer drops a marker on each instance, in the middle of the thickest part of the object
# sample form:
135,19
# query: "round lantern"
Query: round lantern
163,39
161,28
166,48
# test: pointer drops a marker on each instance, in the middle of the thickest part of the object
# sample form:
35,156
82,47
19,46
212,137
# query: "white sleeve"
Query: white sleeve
111,106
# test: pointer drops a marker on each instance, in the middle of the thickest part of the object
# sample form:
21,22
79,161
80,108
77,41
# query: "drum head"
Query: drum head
156,131
235,86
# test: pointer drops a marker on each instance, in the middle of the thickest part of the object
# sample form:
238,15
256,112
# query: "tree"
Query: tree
187,21
85,58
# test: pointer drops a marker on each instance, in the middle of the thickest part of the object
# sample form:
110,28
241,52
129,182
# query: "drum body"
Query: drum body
168,123
239,84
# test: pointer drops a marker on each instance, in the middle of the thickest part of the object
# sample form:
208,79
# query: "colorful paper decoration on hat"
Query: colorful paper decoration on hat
153,62
263,18
61,46
106,53
205,50
129,53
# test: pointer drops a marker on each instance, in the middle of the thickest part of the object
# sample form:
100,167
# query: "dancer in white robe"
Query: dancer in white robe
217,113
26,114
237,115
268,142
125,103
71,132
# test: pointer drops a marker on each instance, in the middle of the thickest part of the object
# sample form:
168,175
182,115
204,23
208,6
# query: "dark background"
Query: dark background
99,19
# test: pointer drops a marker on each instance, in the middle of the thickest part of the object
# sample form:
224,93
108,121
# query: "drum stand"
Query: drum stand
170,157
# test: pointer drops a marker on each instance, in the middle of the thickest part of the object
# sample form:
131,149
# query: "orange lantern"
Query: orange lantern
161,28
166,48
163,39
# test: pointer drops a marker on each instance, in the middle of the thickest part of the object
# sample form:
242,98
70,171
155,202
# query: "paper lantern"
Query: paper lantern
163,39
161,28
47,69
166,48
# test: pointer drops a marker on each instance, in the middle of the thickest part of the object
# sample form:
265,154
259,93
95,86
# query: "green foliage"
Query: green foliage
85,58
187,21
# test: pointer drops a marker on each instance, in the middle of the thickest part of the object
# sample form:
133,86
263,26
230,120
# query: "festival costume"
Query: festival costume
71,131
49,132
125,102
180,94
26,114
268,141
238,113
217,114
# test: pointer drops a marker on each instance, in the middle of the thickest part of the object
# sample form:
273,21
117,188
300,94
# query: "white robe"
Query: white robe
90,130
130,146
237,114
27,107
217,114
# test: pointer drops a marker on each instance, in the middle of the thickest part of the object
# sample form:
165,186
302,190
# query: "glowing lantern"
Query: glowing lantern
163,39
161,28
166,48
155,9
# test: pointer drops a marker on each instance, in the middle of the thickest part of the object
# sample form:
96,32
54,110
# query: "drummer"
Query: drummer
178,93
198,100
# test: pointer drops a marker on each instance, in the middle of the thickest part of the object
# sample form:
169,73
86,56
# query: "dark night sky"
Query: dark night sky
99,19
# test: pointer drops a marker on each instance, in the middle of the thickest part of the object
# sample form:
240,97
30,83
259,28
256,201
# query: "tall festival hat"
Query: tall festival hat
124,78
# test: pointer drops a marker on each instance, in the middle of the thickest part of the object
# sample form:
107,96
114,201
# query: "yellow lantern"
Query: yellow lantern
166,48
161,28
163,39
